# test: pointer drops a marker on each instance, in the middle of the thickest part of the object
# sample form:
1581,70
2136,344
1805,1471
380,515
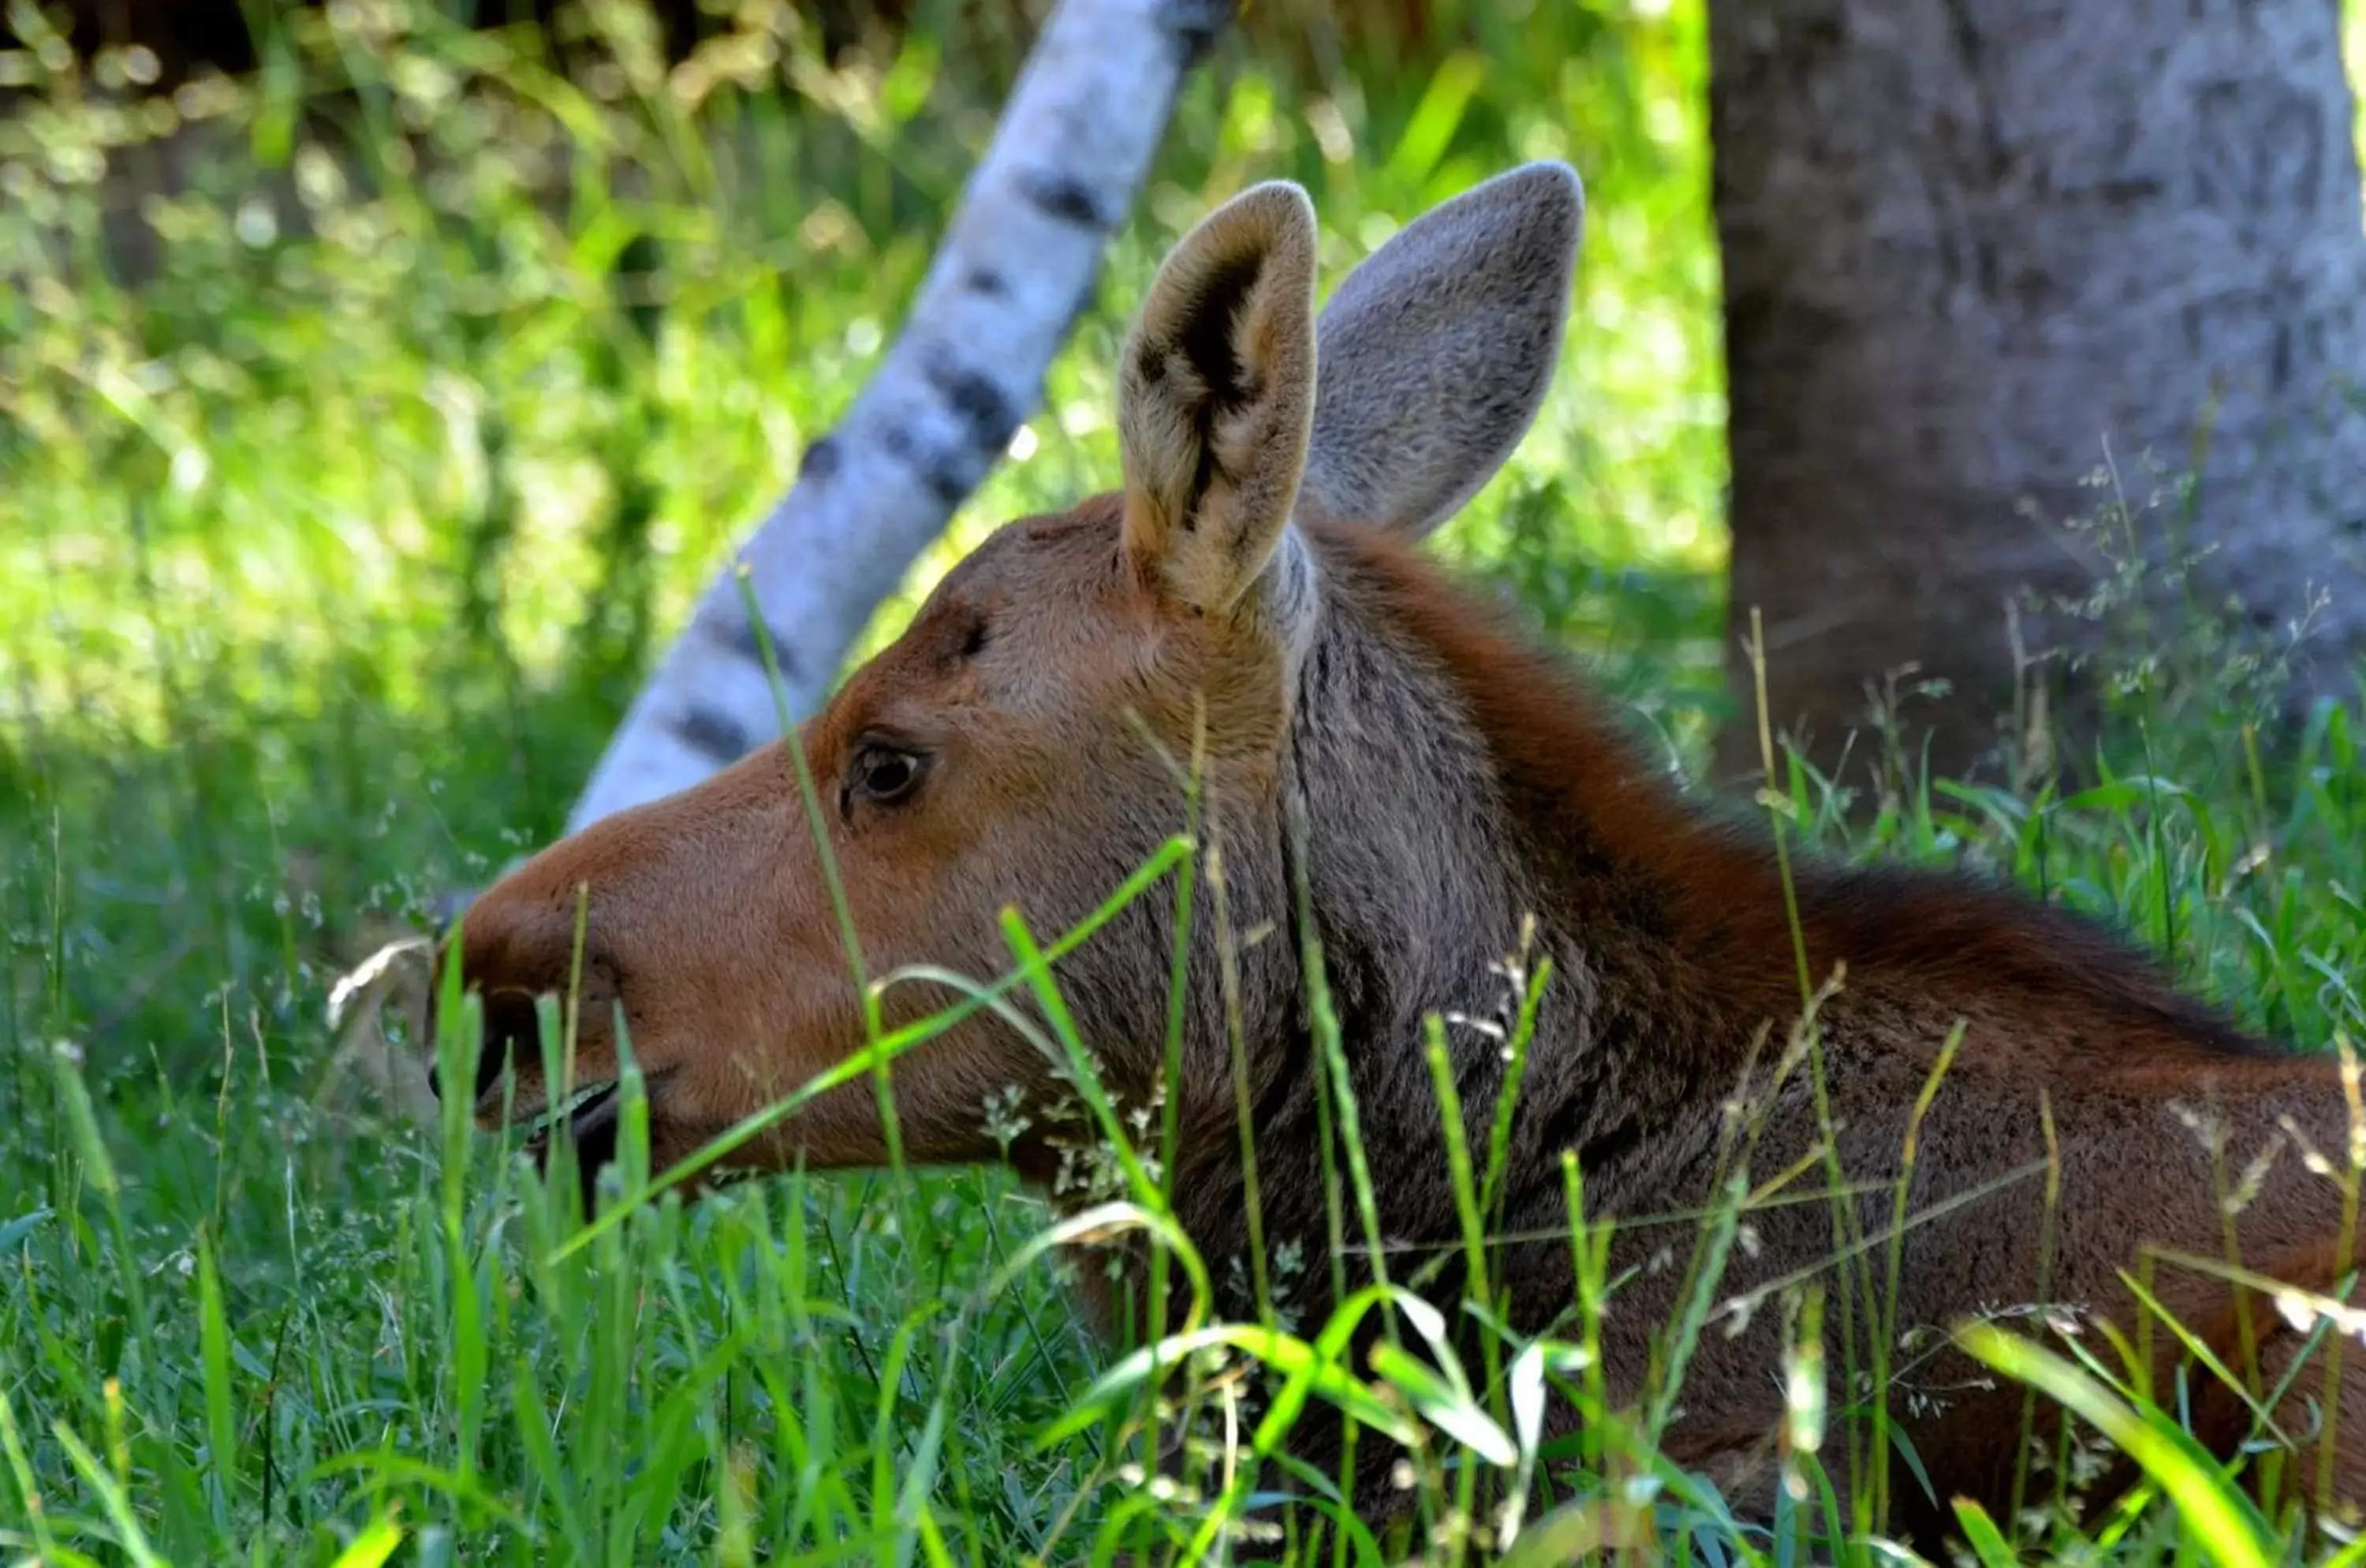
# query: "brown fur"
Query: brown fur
1431,779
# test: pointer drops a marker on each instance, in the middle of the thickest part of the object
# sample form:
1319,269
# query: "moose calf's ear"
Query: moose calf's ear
1216,395
1436,352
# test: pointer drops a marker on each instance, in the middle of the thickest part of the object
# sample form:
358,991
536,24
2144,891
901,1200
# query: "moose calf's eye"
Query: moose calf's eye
883,776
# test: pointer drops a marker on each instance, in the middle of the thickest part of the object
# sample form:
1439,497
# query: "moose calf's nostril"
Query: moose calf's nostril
513,1026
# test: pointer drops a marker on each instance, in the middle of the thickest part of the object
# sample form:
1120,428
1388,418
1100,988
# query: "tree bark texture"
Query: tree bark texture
1017,265
1967,243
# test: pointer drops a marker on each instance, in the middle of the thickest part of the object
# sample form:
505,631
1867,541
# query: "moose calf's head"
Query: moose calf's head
1020,744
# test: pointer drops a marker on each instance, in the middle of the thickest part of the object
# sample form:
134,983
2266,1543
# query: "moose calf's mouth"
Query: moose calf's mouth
590,1114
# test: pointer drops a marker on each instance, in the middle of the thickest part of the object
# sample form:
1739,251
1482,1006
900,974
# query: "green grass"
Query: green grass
339,517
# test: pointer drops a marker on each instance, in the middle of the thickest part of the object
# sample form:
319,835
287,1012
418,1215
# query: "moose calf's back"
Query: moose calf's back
1392,778
1678,985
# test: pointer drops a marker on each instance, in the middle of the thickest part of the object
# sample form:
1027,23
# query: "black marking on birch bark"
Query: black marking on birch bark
953,474
1194,25
989,418
1063,197
711,734
949,472
820,460
739,637
985,280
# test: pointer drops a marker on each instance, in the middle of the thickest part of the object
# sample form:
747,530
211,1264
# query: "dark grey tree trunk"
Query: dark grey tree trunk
1967,244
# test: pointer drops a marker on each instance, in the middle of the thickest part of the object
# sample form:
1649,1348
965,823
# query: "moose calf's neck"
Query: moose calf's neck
1455,784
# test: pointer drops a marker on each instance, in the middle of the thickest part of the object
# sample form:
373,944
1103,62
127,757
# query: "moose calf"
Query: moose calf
1397,777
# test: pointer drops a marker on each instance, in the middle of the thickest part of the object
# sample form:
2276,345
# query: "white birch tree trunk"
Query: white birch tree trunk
1016,267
